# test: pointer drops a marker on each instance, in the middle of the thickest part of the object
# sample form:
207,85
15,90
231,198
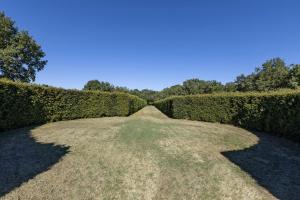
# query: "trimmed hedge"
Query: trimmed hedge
26,104
273,112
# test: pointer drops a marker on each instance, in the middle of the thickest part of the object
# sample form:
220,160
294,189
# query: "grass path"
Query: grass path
146,156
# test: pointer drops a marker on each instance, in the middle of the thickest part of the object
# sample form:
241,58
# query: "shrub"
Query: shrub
27,104
273,112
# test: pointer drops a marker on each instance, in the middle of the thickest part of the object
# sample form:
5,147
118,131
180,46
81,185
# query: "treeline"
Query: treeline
274,74
149,95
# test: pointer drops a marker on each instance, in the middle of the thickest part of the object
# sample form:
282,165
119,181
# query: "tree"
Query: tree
272,75
20,56
294,76
213,86
245,83
194,86
230,87
97,85
121,89
173,90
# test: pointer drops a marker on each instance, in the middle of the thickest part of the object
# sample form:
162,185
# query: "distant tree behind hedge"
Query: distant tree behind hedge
197,86
97,85
174,90
149,95
271,75
294,77
20,55
230,87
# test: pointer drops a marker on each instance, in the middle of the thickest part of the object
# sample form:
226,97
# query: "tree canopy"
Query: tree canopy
20,55
294,76
97,85
273,74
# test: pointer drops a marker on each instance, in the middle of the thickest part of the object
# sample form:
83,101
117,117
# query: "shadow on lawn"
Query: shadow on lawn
22,158
274,163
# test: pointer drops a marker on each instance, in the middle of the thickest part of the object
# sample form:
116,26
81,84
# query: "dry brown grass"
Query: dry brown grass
145,156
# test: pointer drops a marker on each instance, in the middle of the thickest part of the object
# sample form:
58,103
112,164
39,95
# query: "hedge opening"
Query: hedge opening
27,104
272,112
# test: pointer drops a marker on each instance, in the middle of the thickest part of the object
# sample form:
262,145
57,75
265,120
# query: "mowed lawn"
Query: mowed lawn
146,156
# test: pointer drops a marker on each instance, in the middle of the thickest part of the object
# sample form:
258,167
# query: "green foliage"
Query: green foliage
20,56
173,91
213,86
294,76
149,95
7,30
121,89
26,104
230,87
97,85
273,112
245,83
196,86
192,86
272,75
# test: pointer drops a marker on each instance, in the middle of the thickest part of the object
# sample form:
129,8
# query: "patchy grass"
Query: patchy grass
146,156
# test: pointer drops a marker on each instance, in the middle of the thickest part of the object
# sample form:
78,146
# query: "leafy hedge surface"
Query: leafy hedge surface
276,112
25,104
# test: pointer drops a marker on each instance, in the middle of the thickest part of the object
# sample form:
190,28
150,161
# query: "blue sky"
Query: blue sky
156,43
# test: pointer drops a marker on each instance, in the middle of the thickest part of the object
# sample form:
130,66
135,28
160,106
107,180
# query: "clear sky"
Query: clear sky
156,43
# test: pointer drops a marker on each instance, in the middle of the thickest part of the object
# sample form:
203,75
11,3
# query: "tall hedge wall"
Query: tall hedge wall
276,112
26,104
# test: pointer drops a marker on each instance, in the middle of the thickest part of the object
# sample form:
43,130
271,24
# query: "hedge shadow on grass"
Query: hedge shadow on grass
274,163
22,158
